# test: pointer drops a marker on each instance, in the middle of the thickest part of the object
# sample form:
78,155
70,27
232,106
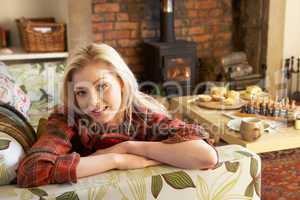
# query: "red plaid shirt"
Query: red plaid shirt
55,155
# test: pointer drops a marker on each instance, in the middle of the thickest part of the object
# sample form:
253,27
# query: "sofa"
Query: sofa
237,176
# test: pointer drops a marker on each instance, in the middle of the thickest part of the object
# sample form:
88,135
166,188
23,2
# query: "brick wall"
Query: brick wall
125,24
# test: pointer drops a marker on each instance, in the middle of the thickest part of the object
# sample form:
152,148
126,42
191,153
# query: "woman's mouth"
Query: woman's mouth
97,113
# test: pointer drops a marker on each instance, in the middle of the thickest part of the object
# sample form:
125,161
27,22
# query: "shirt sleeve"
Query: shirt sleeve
49,160
162,128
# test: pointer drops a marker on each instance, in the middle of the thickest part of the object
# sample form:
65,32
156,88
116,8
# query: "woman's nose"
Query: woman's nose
96,100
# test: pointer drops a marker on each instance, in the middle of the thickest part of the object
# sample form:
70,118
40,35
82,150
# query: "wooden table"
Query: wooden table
216,123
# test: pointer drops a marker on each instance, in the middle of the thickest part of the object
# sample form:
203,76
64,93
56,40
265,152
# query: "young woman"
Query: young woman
107,123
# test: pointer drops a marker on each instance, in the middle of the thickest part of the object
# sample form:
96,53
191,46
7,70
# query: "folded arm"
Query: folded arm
50,160
172,142
177,143
194,154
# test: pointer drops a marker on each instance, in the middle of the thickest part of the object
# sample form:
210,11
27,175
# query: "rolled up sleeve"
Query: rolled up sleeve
162,128
49,160
64,169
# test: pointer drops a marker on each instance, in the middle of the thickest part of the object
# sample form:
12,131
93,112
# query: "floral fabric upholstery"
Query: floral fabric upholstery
236,177
42,83
11,93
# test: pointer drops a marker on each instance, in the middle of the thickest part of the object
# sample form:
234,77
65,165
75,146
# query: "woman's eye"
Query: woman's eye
81,93
102,87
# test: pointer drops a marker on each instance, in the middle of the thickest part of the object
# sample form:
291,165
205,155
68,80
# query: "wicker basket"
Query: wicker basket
33,40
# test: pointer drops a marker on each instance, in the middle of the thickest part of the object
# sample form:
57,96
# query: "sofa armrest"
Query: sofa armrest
236,177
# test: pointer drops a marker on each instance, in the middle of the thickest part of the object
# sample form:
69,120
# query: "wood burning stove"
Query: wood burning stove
169,61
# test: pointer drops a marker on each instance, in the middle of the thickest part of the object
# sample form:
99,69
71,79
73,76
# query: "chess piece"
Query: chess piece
296,95
277,112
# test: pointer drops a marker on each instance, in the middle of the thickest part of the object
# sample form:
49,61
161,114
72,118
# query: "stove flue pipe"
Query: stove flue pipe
167,33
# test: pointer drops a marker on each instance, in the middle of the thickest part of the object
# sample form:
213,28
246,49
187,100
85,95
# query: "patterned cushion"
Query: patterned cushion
10,92
42,82
11,153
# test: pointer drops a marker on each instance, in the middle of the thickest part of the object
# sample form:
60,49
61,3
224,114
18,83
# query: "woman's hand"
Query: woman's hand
129,161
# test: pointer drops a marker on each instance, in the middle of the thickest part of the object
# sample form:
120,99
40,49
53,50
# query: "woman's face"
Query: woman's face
98,92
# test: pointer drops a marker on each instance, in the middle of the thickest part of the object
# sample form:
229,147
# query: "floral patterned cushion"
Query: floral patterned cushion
42,83
11,93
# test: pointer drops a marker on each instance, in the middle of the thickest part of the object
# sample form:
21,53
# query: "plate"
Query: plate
217,105
244,95
235,124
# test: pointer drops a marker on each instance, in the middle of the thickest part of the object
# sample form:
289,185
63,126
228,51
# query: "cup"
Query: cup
251,129
297,122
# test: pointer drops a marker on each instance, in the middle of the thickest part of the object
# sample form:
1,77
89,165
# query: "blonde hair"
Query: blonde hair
131,95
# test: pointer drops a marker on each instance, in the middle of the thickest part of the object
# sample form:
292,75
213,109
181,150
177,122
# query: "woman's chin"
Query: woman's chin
103,119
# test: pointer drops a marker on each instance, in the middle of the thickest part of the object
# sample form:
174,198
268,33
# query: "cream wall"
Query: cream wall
12,9
275,46
292,29
59,9
80,25
77,16
292,33
283,41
